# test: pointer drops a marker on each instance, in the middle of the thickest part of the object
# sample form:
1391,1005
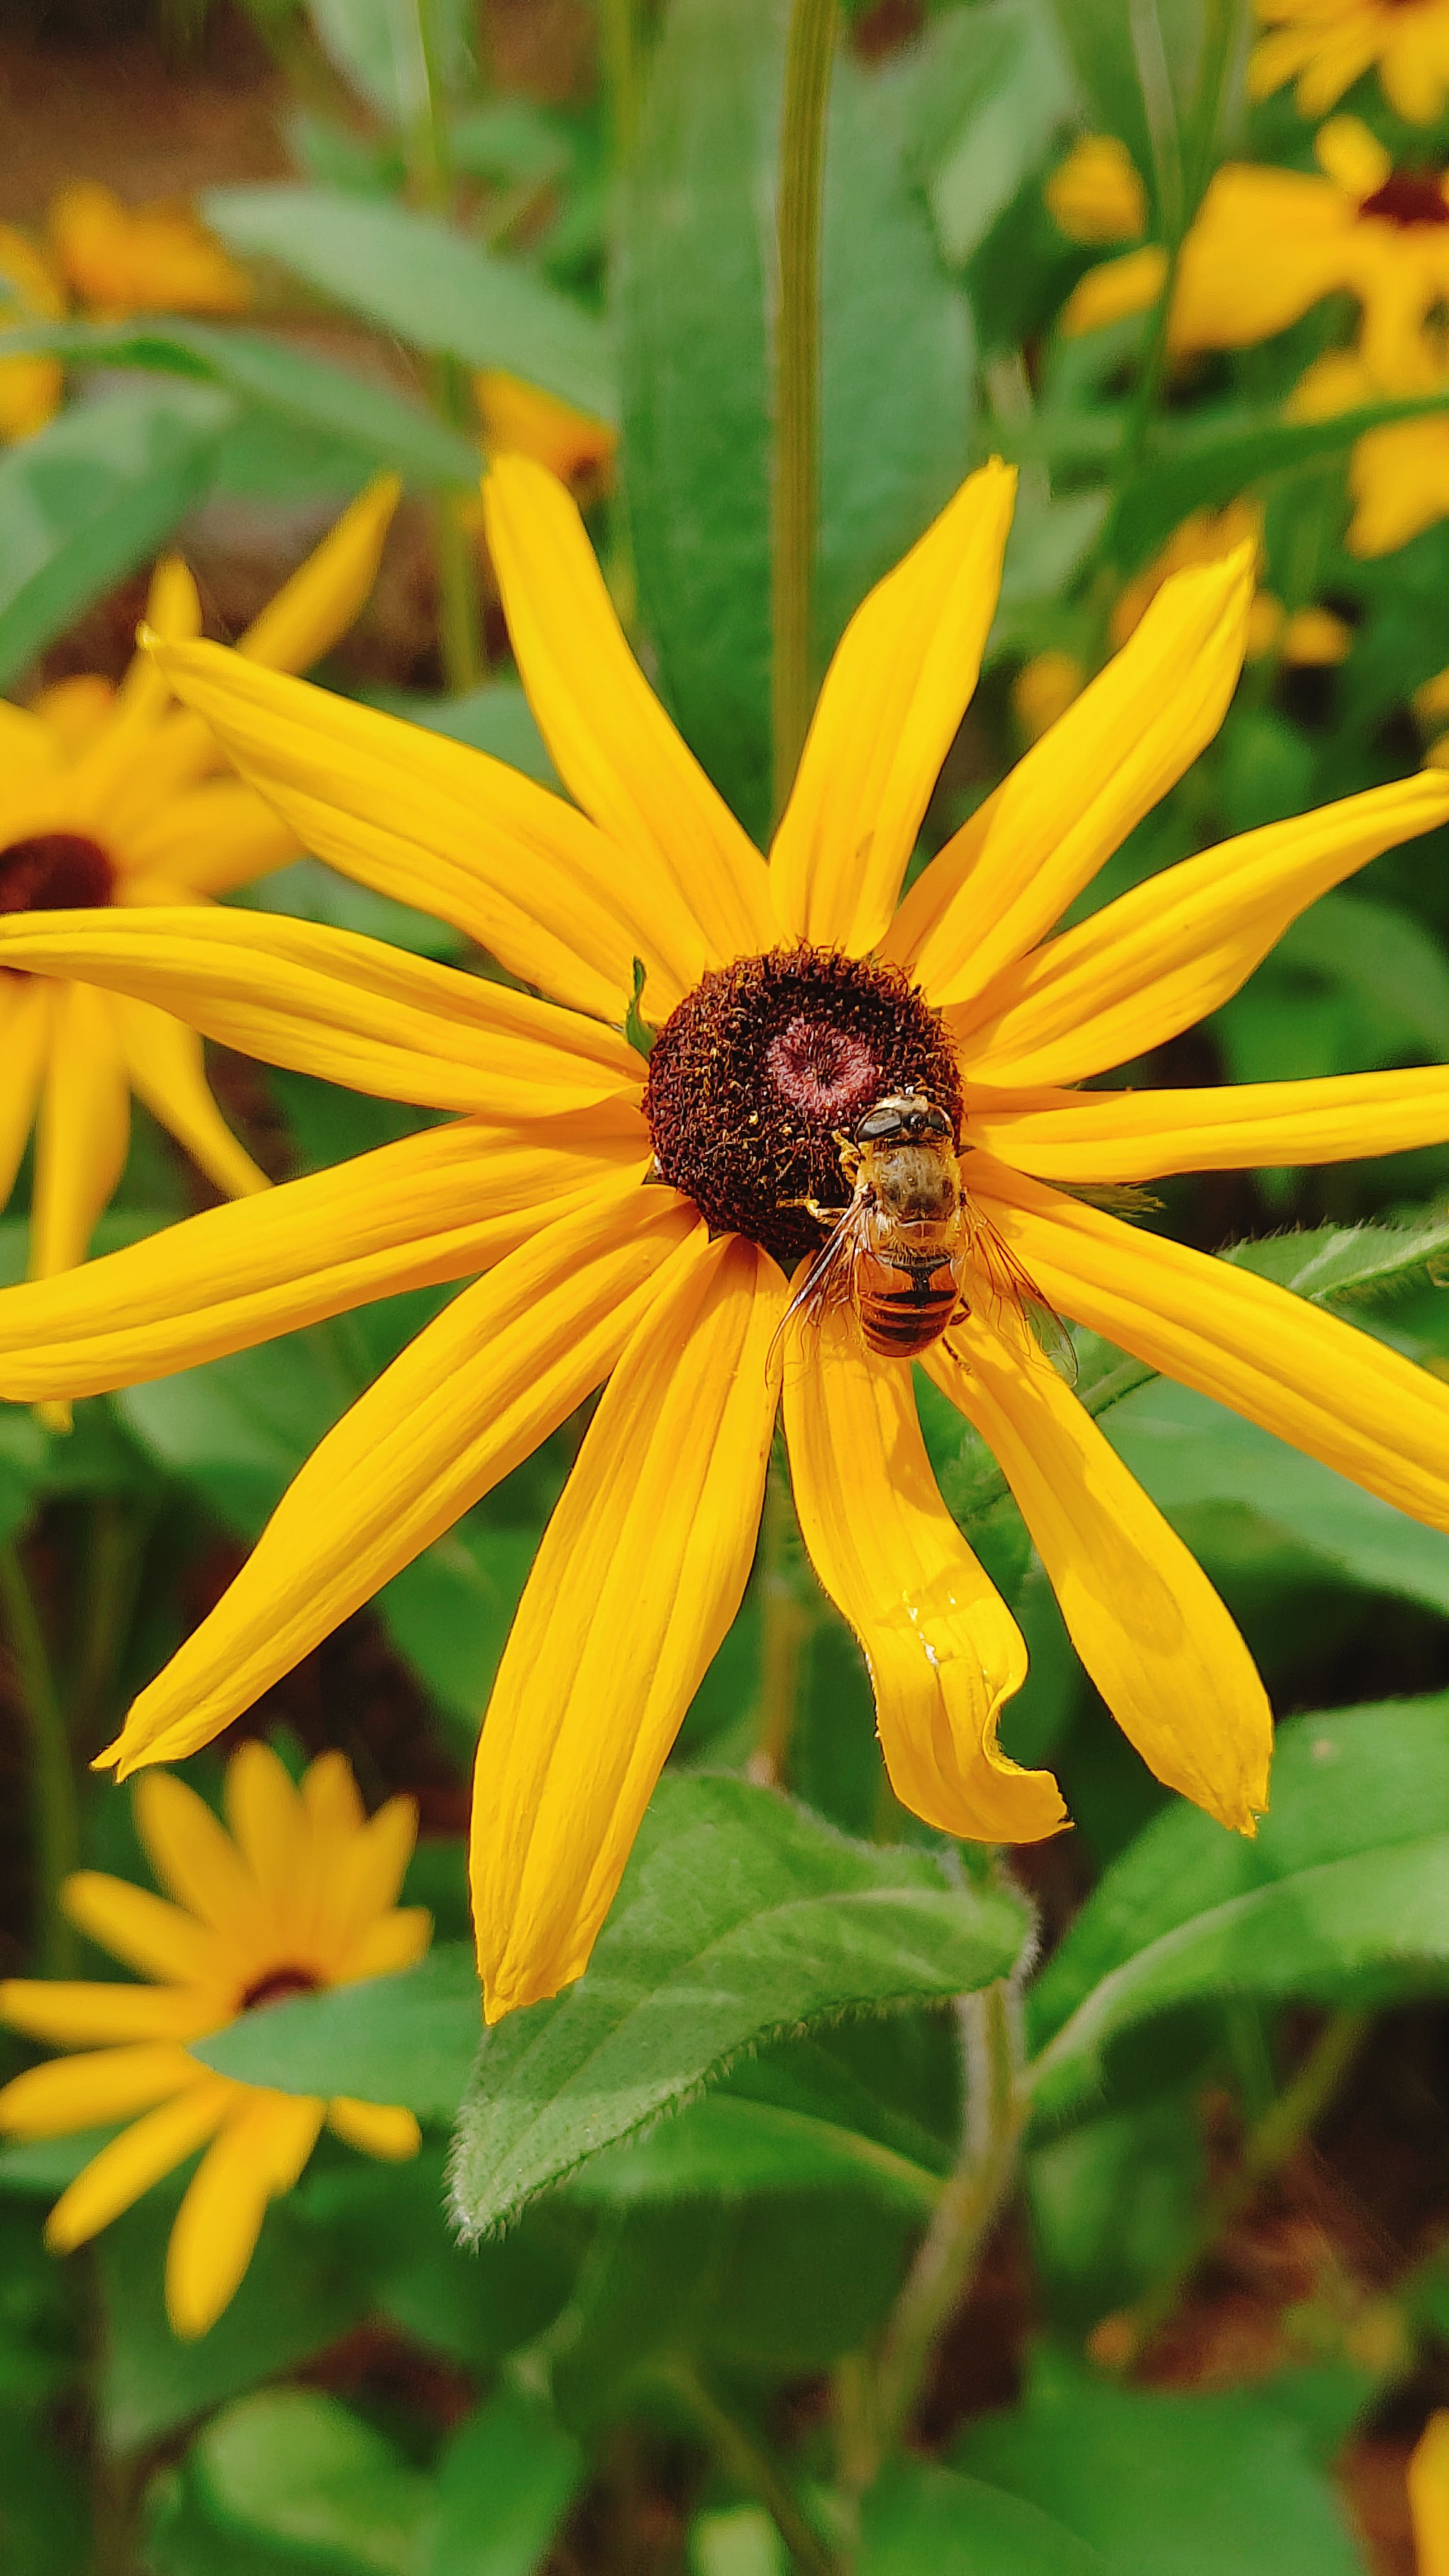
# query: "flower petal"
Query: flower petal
378,2128
640,1573
893,698
467,1401
440,825
1011,871
73,2015
27,1010
164,1064
145,1931
611,741
101,2084
1144,1618
1142,1135
268,1824
331,1003
1162,956
192,1854
1283,1362
153,2145
209,838
259,2154
393,1941
313,610
82,1130
942,1647
236,1275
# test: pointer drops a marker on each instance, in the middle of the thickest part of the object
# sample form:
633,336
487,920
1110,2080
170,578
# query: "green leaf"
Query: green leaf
379,48
1210,465
505,2482
409,2038
297,2470
741,1916
89,497
739,2540
415,275
1168,2485
922,2516
727,2144
1331,1264
378,426
993,89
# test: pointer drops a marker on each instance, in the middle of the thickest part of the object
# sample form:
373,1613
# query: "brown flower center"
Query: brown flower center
278,1986
54,872
762,1068
1408,197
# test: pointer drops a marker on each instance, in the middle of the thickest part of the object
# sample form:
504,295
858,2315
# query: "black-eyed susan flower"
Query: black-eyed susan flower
1324,46
116,797
643,1219
299,1894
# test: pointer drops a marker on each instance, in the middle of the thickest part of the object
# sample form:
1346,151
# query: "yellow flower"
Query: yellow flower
637,1221
1268,244
112,797
300,1895
1429,2496
1096,194
30,388
520,419
121,259
1398,476
1326,45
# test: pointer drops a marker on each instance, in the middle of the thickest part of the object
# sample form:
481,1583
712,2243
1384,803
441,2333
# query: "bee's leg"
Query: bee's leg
812,1207
849,1153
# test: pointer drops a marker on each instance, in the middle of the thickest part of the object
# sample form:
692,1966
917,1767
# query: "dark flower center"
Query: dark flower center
762,1068
1408,197
278,1986
54,872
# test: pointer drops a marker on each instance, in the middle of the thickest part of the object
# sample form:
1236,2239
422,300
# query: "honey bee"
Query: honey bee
910,1253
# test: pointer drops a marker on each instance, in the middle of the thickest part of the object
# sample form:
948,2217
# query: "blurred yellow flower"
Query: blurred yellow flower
299,1895
1096,195
1268,244
111,796
1398,476
1326,45
1044,688
30,388
520,419
1429,2496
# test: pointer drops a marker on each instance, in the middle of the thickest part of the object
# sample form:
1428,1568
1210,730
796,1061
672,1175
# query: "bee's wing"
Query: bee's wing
1011,1284
827,1281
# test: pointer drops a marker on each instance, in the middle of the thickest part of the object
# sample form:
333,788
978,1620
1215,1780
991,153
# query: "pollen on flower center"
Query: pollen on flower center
54,872
762,1068
1409,197
278,1986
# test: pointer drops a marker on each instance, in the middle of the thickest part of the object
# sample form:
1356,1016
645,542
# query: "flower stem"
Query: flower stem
55,1808
430,172
743,2455
785,1628
995,2118
808,54
620,51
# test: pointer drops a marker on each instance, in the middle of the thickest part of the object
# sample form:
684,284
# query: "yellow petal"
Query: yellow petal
334,1803
313,610
31,391
944,1651
268,1822
610,739
100,2085
164,1064
1144,1618
378,2128
129,259
893,699
640,1573
1346,150
1429,2496
208,839
1096,194
192,1854
148,1933
1163,955
259,2154
72,2015
82,1130
153,2145
27,1011
393,1941
368,1875
1131,284
488,1379
437,824
399,1217
1141,1135
328,1002
1072,799
1301,1373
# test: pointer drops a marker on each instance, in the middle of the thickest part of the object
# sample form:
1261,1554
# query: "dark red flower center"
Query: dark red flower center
278,1986
1409,197
54,872
766,1064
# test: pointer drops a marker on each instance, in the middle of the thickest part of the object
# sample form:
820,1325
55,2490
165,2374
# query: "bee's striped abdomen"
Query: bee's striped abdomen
903,1311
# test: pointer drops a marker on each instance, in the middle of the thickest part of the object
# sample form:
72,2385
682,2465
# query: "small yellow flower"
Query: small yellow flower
1429,2496
1326,45
1398,476
1268,244
30,388
1044,688
639,1221
298,1896
1096,194
119,259
113,797
520,419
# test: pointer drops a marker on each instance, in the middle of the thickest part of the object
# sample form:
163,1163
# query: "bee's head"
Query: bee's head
902,1116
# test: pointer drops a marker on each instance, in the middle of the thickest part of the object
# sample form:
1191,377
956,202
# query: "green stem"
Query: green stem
620,50
785,1628
55,1807
743,2455
1270,2141
430,174
808,55
965,2213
